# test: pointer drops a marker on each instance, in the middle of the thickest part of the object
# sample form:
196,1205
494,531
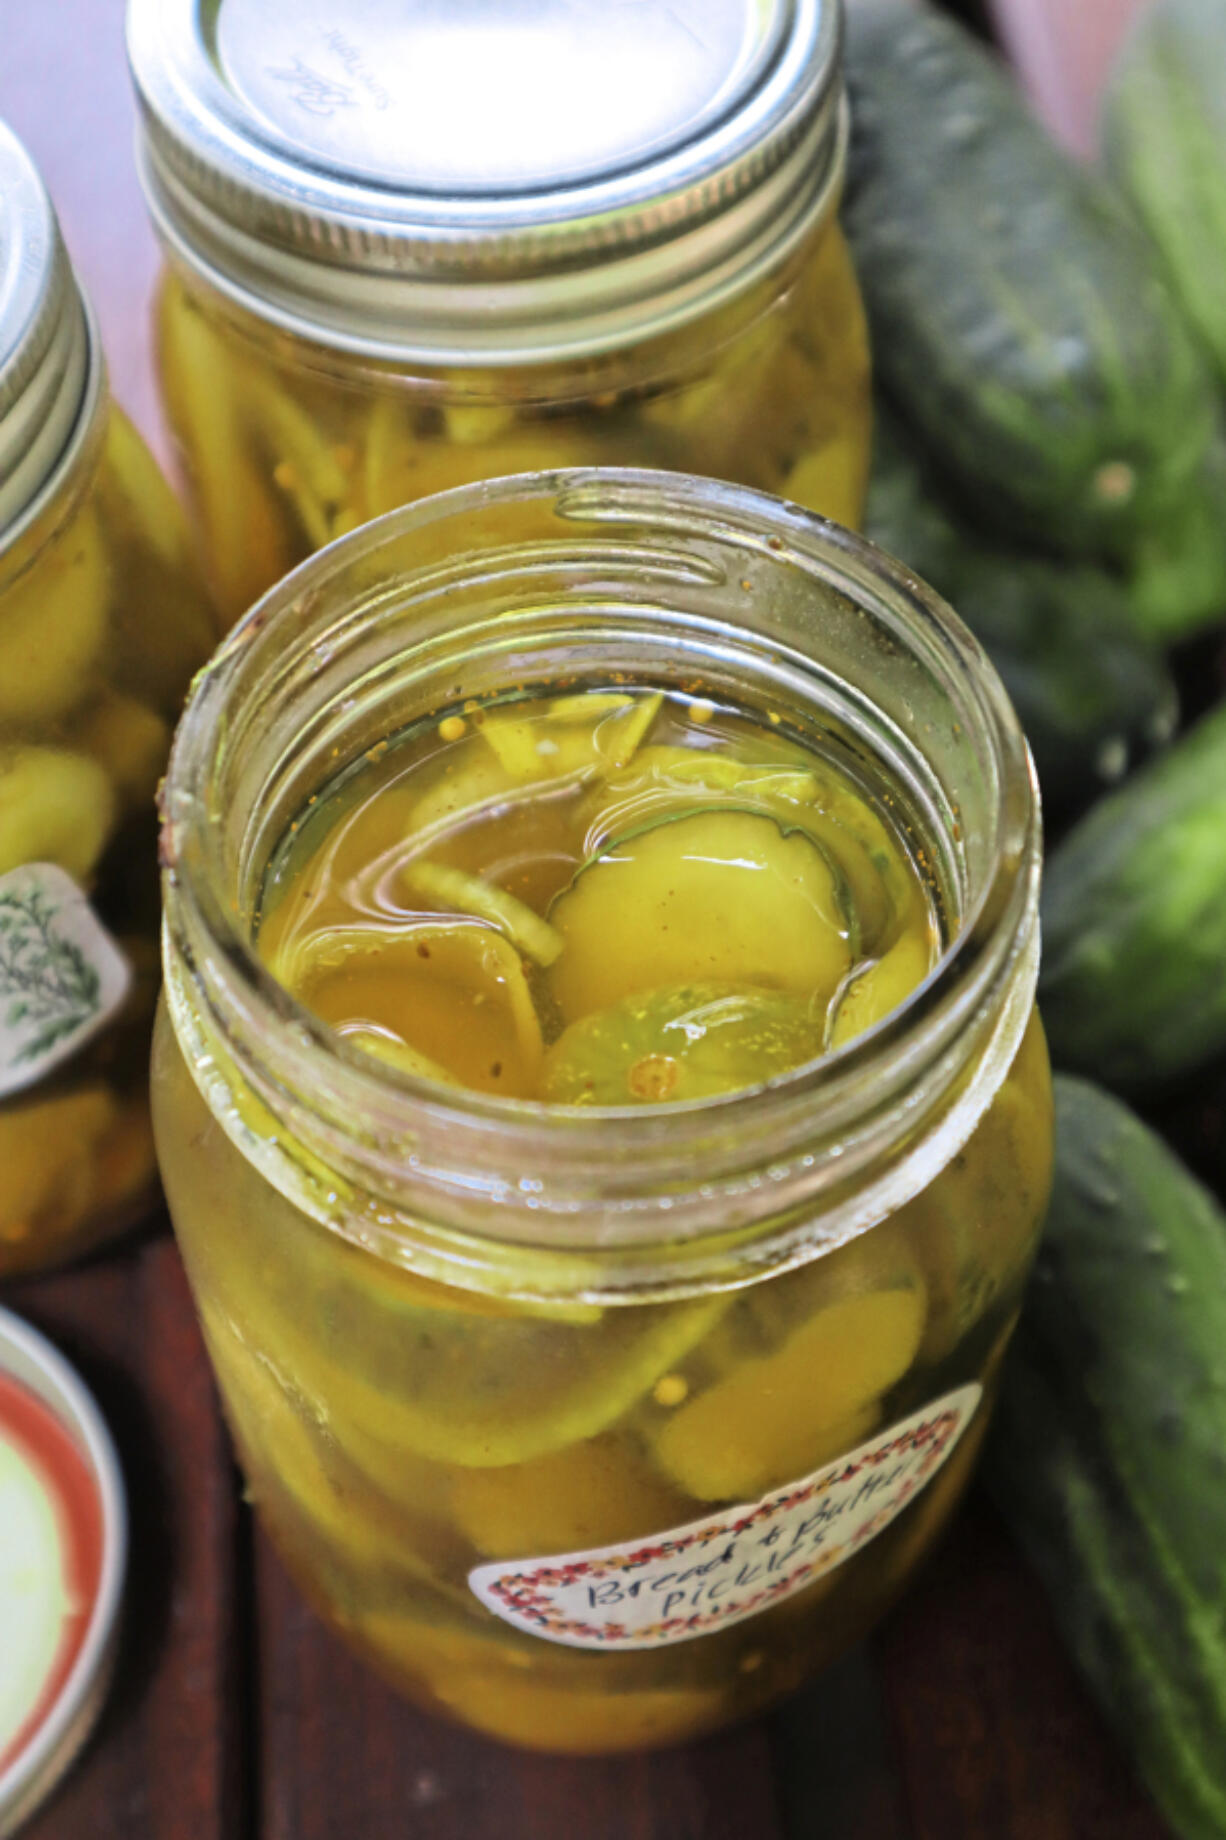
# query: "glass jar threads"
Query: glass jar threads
427,246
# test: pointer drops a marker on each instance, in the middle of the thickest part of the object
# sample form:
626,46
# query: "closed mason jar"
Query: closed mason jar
102,621
596,1428
419,247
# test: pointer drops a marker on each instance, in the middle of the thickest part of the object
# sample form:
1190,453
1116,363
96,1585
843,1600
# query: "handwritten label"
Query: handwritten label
62,977
714,1572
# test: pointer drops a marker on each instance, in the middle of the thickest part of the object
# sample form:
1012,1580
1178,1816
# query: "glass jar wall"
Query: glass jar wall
585,267
102,621
596,1428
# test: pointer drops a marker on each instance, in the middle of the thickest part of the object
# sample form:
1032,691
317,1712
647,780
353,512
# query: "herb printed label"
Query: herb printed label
62,977
703,1577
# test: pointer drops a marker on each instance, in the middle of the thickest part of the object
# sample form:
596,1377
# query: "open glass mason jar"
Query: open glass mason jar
598,1425
102,621
428,245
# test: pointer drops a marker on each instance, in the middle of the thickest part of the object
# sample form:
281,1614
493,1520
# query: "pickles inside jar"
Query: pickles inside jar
603,896
599,896
606,896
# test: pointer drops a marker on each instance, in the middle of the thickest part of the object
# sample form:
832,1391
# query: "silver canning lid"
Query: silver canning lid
46,356
444,181
28,1359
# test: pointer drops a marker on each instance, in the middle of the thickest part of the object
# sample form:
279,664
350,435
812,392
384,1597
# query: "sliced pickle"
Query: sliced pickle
53,625
660,778
691,1042
686,768
587,1495
49,1149
55,807
283,1435
974,1226
526,750
401,465
305,465
478,1388
475,782
247,536
830,479
470,894
714,895
772,1419
130,741
451,990
162,625
878,990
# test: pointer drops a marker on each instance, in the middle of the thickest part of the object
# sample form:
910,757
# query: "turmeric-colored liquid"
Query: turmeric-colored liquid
609,896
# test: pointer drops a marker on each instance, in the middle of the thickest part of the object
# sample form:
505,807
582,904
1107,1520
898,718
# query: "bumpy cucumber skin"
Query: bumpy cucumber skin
1164,135
1134,922
1108,1454
1018,317
1092,694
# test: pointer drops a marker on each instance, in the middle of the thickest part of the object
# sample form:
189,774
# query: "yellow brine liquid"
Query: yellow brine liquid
604,897
599,896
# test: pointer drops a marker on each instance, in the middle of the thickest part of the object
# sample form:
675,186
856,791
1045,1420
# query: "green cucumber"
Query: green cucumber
1019,320
1092,694
1176,575
1164,135
1108,1454
1133,989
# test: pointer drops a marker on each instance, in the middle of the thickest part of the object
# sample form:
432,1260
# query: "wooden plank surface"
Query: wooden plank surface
236,1715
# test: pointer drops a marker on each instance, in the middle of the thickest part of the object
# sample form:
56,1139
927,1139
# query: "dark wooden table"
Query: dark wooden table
236,1715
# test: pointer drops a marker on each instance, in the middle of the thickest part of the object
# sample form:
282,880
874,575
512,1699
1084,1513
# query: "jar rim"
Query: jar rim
580,1159
398,265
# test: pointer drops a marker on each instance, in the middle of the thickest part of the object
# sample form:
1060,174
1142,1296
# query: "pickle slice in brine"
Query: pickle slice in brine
690,1042
404,1366
773,1418
453,991
55,807
586,1495
49,1149
249,545
715,895
876,991
130,741
454,888
401,464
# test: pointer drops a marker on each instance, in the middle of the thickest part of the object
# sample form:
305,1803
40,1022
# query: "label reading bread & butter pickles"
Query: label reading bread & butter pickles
694,1580
62,977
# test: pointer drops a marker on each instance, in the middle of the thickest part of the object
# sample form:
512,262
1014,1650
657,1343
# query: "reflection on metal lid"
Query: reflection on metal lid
44,337
436,179
448,95
62,1549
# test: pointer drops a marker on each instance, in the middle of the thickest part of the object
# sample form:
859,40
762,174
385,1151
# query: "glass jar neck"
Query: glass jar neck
669,580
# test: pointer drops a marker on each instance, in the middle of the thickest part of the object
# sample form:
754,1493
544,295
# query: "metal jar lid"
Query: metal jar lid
459,181
47,360
63,1549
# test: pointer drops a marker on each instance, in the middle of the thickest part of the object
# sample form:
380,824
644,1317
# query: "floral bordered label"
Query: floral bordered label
62,977
715,1572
